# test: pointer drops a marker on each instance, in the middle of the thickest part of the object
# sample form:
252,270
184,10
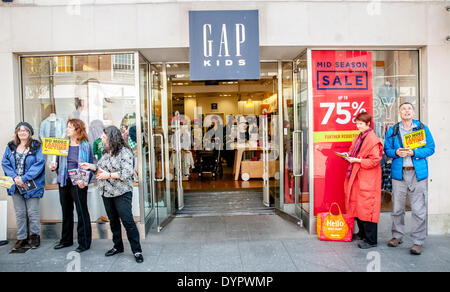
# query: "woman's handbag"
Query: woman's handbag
334,227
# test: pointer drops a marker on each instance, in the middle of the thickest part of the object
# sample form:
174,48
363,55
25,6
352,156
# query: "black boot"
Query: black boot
35,241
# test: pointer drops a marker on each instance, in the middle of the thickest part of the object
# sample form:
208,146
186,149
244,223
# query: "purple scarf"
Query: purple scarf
356,149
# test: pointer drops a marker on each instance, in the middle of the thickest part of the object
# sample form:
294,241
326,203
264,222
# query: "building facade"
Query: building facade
126,63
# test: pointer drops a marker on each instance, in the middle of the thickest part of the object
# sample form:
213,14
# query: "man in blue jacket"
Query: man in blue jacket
409,173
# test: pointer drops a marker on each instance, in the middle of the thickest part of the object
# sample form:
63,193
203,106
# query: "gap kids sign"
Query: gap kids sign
224,45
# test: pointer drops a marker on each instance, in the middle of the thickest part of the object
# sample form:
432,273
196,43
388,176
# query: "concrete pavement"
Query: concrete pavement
257,243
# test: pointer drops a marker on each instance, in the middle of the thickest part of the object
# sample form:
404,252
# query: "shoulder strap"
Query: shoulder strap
421,126
395,130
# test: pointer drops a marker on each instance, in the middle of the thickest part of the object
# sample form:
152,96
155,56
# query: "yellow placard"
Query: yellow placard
415,139
55,146
335,136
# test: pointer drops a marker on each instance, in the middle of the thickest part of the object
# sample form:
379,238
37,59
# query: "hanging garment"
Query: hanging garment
187,163
57,129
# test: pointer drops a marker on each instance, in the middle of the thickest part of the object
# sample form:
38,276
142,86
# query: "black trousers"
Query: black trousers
68,196
119,209
368,231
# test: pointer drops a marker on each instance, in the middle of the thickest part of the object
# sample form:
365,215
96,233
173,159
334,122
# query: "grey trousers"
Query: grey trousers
27,208
417,191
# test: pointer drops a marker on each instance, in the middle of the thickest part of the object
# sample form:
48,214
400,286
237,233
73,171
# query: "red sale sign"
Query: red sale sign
342,88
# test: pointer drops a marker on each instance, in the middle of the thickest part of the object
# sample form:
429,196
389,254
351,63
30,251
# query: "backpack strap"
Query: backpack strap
395,132
421,126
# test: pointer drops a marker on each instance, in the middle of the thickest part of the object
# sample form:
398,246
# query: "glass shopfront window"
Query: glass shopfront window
98,89
395,80
345,83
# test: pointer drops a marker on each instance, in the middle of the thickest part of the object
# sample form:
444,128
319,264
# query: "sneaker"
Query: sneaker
35,241
416,249
394,242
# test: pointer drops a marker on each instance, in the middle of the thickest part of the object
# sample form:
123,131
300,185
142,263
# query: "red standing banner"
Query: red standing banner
342,88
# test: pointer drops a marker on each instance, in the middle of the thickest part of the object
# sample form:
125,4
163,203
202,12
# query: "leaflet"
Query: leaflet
343,155
79,175
6,182
29,186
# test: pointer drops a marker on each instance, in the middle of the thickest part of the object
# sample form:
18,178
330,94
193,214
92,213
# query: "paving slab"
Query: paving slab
244,243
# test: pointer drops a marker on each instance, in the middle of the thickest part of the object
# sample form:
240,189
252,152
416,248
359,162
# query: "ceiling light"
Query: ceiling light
249,103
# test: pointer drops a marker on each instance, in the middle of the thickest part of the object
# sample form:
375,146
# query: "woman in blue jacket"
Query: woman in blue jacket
24,162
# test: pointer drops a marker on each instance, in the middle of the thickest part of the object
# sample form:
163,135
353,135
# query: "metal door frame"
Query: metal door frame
165,126
146,219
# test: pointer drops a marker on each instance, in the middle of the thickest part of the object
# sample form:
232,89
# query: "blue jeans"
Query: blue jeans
27,209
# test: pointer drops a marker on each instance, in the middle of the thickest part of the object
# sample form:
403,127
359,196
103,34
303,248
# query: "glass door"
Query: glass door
300,136
264,124
176,158
145,157
159,146
270,137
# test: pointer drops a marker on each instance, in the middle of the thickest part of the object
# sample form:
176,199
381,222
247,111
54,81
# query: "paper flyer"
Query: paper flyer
79,175
6,182
29,185
343,155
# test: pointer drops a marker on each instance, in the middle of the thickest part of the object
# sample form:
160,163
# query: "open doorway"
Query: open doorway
221,142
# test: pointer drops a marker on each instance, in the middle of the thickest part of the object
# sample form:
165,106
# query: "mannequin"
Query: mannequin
53,127
52,117
388,95
95,133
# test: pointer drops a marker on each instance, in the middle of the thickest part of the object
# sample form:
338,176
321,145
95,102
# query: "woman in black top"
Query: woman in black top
115,184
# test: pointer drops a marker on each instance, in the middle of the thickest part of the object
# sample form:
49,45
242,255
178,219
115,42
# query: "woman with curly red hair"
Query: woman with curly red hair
74,191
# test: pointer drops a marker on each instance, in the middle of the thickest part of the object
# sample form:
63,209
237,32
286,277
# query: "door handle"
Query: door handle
162,158
297,158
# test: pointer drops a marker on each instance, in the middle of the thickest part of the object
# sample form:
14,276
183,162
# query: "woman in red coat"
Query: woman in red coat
363,181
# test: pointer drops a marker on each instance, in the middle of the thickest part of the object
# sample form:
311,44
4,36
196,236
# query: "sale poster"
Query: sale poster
342,88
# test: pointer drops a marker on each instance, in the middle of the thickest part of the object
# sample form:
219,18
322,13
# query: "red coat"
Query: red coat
363,188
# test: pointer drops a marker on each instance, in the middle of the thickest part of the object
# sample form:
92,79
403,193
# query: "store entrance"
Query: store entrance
221,142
